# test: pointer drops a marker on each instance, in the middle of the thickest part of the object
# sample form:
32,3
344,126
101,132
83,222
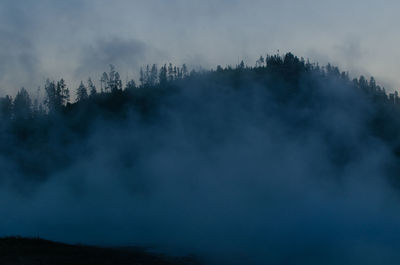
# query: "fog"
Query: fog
231,176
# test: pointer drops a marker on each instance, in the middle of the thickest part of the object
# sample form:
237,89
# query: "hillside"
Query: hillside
18,251
284,162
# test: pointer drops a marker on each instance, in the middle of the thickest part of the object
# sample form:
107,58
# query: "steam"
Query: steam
232,176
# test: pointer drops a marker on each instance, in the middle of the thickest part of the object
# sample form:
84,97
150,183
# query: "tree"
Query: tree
363,84
37,108
117,82
185,71
179,73
50,99
147,75
153,75
57,95
131,85
175,73
114,79
241,65
170,72
81,93
6,107
141,78
111,77
260,62
22,107
372,85
104,82
62,93
92,88
163,75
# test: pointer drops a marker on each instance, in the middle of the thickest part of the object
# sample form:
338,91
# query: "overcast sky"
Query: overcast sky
76,39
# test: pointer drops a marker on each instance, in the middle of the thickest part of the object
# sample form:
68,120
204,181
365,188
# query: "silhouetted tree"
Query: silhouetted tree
63,96
142,78
131,85
104,83
57,95
153,75
175,73
22,106
92,88
81,92
163,75
170,72
50,100
241,65
260,62
114,80
6,107
185,71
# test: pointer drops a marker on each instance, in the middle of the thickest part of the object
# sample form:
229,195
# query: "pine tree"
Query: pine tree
81,93
153,75
260,62
141,78
170,72
57,95
92,88
117,82
50,99
6,107
147,75
184,71
62,93
22,106
104,81
163,75
131,85
114,79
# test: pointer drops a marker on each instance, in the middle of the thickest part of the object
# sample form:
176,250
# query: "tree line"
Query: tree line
34,132
57,94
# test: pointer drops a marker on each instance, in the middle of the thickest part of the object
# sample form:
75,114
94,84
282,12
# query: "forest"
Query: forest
37,134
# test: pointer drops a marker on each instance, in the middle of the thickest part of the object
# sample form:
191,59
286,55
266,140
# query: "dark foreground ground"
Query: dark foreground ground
23,251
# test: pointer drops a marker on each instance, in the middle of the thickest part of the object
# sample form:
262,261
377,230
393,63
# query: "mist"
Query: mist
233,174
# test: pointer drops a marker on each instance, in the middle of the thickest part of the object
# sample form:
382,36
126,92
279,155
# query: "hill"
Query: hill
285,162
28,251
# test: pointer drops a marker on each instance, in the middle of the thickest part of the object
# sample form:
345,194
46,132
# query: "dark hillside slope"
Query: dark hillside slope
24,251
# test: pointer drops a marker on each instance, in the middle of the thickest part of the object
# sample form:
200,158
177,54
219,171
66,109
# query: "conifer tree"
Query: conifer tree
6,107
163,75
81,93
131,85
92,88
104,82
22,106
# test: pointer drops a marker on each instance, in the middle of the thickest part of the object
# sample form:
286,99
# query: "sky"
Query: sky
77,39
